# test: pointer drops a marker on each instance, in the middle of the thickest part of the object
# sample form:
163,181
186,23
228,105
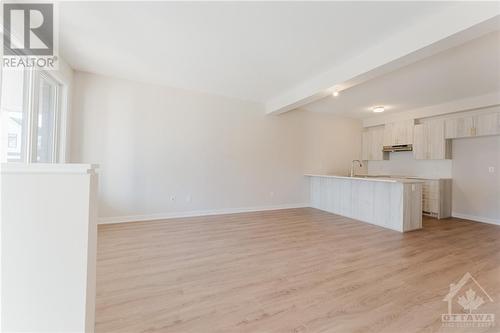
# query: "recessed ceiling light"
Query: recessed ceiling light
378,109
335,93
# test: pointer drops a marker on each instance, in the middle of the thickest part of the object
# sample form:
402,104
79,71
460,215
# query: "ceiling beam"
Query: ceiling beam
437,33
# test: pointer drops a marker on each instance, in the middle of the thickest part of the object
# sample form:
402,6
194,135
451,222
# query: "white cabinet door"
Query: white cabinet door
483,124
429,142
436,141
399,133
405,132
460,127
420,148
366,148
373,144
377,145
487,124
388,134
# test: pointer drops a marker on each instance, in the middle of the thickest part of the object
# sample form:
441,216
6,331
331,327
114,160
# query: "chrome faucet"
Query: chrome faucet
352,167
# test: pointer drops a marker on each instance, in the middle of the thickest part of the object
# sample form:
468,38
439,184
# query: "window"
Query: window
31,101
13,104
45,120
12,140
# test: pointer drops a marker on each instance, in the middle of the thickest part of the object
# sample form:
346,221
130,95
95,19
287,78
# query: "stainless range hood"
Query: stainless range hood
397,148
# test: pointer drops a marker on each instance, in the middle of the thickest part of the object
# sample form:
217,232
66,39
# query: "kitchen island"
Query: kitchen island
387,202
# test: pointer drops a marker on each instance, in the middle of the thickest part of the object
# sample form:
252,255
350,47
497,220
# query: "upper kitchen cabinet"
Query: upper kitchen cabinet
460,127
487,124
398,133
373,138
467,126
429,141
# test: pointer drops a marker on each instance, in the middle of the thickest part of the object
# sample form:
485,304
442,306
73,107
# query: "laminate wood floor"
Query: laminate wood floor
294,270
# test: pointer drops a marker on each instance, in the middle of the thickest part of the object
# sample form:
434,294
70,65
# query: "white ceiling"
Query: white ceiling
248,50
469,70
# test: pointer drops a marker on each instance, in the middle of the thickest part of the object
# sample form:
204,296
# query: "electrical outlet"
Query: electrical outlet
491,169
172,198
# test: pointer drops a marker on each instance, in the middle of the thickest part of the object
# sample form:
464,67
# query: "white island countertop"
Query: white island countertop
372,178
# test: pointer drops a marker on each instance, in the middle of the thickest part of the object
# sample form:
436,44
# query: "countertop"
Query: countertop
373,178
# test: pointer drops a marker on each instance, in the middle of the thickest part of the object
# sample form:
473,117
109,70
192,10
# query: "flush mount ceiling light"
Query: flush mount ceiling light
378,109
335,93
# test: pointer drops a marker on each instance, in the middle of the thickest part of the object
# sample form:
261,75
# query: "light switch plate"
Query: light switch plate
491,169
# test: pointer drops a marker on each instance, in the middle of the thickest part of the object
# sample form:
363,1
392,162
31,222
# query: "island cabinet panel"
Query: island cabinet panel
413,207
381,193
362,200
390,204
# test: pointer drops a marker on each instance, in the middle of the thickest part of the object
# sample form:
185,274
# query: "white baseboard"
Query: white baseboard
476,218
163,216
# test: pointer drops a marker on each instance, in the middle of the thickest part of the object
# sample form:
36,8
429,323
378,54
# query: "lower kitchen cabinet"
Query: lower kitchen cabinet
436,198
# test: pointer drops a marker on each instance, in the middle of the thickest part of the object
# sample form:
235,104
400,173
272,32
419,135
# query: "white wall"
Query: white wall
403,164
332,142
476,191
165,151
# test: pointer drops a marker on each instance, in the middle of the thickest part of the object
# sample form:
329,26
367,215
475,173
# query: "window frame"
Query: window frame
33,132
31,87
